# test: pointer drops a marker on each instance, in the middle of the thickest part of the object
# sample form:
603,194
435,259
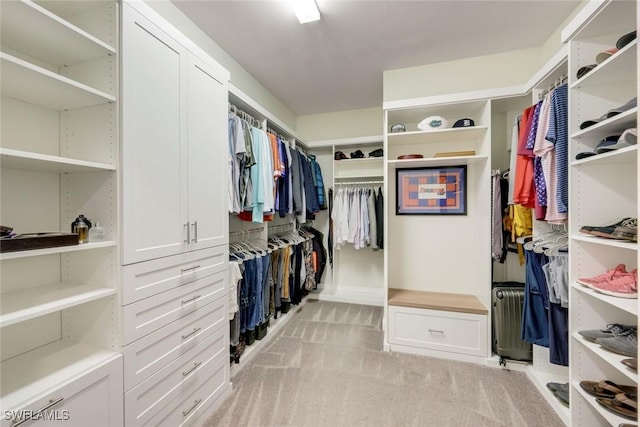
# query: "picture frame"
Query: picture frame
438,190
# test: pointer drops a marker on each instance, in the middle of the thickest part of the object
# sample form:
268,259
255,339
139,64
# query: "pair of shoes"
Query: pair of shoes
621,404
625,233
611,330
358,154
339,155
607,231
615,282
606,388
625,344
553,387
632,363
376,153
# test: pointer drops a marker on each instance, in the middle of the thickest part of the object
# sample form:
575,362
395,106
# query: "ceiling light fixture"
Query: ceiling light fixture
306,10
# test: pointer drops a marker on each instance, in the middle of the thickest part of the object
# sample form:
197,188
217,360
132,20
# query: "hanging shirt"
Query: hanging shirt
558,135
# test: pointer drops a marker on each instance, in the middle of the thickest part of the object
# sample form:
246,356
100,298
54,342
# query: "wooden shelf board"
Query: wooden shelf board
57,250
15,159
21,305
610,357
34,373
460,303
630,305
57,42
473,133
35,85
435,161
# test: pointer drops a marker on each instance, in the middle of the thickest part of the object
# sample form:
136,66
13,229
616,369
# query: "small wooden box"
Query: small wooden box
27,242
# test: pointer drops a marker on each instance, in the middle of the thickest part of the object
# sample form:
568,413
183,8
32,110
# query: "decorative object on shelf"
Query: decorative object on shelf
433,122
97,233
339,155
27,242
398,127
432,191
410,156
81,227
456,153
376,153
464,123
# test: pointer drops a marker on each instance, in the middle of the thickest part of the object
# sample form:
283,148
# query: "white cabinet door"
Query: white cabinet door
207,171
154,185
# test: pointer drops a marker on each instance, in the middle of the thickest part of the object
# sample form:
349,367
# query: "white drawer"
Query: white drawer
148,278
94,399
150,314
438,330
200,363
144,357
194,399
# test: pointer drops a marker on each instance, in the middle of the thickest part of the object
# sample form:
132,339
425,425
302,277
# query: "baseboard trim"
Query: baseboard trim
351,295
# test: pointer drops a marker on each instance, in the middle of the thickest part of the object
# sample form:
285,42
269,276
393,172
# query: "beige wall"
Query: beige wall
239,76
341,124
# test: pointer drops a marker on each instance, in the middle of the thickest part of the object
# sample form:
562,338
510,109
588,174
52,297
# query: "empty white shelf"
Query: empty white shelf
15,159
36,85
56,41
21,305
38,371
435,161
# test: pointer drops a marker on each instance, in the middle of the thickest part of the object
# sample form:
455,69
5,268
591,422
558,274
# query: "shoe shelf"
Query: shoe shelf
615,68
612,126
630,305
623,155
22,305
56,41
368,167
602,241
613,359
613,419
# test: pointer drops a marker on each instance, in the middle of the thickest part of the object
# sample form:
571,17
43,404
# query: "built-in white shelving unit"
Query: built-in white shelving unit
59,156
601,188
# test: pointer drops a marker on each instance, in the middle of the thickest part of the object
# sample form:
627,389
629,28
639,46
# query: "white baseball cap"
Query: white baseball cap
433,122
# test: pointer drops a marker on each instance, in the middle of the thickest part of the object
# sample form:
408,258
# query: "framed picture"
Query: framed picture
431,191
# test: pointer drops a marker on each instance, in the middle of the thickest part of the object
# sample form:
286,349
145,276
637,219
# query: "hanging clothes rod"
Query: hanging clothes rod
245,116
242,235
280,228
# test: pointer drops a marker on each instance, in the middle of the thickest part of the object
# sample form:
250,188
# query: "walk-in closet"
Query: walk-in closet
389,213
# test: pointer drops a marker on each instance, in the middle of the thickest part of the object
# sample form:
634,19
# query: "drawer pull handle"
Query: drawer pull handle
52,403
188,225
195,404
435,331
195,366
195,232
184,270
195,297
184,337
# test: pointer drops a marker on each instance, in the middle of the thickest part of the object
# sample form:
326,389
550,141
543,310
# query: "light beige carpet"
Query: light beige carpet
326,367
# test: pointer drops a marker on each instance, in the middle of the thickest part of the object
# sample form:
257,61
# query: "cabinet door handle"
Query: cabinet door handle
195,297
193,368
184,270
188,225
195,232
436,331
52,403
184,337
195,404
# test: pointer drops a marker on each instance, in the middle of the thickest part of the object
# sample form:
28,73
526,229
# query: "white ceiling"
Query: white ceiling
336,63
